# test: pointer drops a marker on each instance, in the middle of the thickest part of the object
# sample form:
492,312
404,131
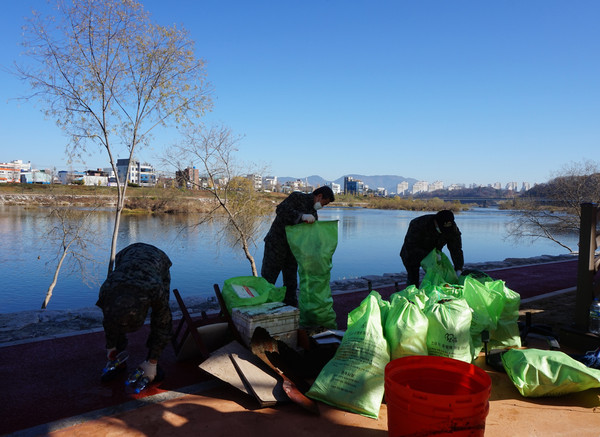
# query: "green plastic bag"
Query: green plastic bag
442,291
538,372
244,291
313,246
507,332
449,334
353,379
415,295
438,269
405,328
487,305
474,274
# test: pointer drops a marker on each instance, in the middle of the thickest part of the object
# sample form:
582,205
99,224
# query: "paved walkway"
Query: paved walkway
51,387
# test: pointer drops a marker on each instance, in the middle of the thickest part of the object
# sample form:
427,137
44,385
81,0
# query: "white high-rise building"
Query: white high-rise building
437,185
402,188
420,186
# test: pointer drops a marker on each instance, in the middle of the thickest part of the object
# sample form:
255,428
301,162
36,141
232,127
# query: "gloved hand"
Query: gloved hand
308,218
149,370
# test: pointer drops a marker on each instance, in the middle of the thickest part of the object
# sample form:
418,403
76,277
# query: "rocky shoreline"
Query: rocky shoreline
35,325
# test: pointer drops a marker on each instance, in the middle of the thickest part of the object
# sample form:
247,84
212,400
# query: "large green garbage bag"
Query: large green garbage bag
474,274
487,305
353,379
537,372
448,334
507,332
405,328
415,295
313,246
438,269
244,291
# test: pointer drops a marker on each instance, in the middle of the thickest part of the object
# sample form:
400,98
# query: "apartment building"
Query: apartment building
140,174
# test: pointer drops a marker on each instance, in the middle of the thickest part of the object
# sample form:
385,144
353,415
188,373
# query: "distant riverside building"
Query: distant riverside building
140,174
10,172
36,177
511,186
402,188
380,191
526,186
99,178
270,183
297,185
188,178
497,185
453,187
437,185
66,177
353,186
420,187
256,181
336,188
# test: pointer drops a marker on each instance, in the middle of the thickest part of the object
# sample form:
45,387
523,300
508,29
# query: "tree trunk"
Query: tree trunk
55,279
115,235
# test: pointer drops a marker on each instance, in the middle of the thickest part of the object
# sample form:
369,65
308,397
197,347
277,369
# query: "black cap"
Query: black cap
445,219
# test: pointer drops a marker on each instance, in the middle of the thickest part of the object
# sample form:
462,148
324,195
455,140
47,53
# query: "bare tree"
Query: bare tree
234,194
109,76
73,232
553,210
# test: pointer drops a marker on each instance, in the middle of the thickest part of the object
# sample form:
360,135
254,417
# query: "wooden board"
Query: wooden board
236,365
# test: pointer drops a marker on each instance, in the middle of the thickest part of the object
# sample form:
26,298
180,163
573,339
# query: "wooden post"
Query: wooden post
586,268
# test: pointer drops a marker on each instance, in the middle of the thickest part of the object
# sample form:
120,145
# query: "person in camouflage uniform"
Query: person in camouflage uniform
140,280
296,208
428,232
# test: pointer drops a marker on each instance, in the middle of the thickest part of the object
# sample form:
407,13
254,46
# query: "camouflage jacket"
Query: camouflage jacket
289,212
422,237
140,280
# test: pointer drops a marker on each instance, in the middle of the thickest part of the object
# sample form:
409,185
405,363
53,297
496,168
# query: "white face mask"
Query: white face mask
318,205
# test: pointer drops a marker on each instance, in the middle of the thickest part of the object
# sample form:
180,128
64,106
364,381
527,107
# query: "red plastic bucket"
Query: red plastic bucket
427,395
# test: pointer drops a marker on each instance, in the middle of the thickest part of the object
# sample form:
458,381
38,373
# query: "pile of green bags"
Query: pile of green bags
442,318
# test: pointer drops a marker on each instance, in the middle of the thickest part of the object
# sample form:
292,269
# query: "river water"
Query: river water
369,242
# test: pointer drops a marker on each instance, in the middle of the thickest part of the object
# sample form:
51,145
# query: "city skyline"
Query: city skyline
464,92
409,184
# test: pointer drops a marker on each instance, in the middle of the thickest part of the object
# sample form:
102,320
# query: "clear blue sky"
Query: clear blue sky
457,91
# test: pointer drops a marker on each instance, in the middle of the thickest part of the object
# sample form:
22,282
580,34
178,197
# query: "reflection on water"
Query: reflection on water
369,244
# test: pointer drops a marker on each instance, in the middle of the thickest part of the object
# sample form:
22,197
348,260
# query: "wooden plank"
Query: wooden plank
237,366
266,388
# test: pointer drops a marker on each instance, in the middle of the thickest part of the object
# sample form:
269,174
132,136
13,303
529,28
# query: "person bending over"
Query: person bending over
428,232
140,281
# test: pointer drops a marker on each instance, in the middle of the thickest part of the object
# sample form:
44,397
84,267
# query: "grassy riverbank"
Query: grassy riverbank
176,200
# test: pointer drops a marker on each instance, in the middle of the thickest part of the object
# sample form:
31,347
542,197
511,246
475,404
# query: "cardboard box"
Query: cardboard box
279,319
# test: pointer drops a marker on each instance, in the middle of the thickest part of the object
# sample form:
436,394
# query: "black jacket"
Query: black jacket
423,236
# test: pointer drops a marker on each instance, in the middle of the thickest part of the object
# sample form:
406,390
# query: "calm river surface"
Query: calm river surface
369,243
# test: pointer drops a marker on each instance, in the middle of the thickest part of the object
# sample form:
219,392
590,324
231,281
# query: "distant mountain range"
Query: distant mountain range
389,182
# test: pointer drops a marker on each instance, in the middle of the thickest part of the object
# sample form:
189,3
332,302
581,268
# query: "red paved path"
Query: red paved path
44,381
